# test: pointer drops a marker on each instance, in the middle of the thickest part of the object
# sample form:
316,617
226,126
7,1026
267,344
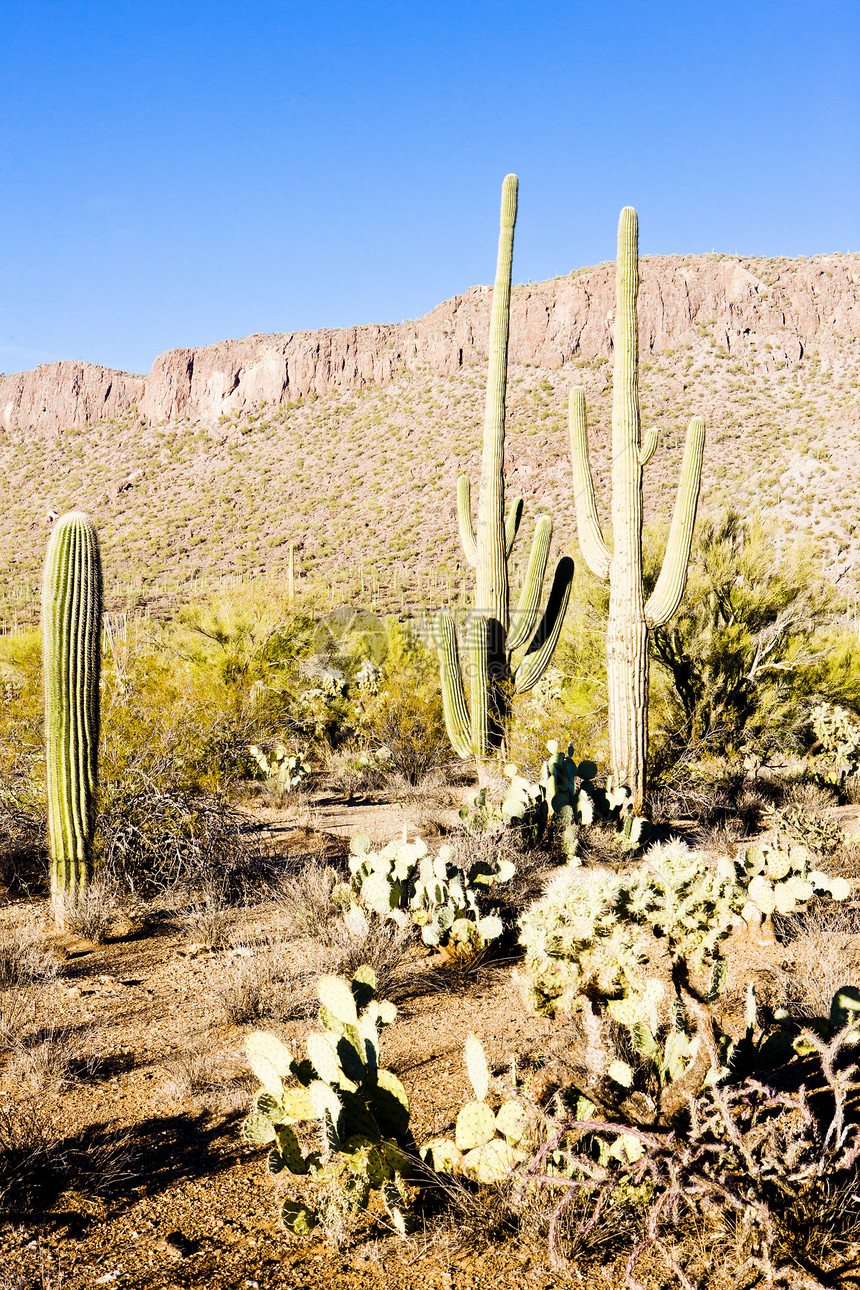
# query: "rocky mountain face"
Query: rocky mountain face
765,312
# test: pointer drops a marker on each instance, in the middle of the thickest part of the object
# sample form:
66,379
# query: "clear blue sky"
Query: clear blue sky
176,173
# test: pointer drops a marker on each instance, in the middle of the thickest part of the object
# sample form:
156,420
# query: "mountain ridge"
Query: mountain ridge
761,311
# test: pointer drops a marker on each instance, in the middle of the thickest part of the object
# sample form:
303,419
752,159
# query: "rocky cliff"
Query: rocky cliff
769,311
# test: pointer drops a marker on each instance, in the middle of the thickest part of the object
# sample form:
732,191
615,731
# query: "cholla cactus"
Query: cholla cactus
588,940
812,829
362,1109
406,882
838,731
486,1141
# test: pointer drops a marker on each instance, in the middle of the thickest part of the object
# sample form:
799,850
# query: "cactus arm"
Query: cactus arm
649,446
478,633
453,697
666,596
526,613
71,645
464,519
512,524
457,717
491,568
536,660
595,551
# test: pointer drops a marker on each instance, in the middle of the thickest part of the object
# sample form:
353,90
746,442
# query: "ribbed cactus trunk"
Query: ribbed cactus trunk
631,618
478,728
71,646
627,631
491,568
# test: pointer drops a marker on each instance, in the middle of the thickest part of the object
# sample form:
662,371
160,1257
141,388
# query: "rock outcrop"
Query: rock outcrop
55,395
772,310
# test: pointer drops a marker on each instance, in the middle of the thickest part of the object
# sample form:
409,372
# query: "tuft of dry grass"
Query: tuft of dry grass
309,905
94,916
261,980
209,918
38,1163
25,959
823,942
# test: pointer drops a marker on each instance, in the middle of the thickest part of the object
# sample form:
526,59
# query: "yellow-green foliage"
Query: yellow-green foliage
22,751
404,711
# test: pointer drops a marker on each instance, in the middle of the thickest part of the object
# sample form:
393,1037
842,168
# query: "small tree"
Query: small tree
748,647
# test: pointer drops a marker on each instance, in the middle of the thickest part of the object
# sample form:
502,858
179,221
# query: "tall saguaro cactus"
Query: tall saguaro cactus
71,648
478,728
631,618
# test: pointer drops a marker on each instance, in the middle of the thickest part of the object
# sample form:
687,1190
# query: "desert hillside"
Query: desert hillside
348,443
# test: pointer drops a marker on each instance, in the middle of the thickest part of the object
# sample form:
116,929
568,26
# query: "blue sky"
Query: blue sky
173,174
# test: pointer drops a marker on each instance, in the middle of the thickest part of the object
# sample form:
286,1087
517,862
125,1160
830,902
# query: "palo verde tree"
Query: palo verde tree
478,729
631,617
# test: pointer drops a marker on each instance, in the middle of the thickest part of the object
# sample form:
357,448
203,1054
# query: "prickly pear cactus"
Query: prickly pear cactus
451,905
565,798
486,1142
775,876
575,798
361,1110
280,771
381,879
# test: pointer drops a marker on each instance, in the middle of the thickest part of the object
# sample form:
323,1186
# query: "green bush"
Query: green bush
754,640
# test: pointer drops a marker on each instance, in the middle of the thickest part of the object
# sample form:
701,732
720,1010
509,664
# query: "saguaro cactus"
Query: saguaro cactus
479,728
71,646
630,616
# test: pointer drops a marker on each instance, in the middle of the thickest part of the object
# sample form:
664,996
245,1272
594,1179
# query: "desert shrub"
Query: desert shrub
759,1162
151,838
403,712
753,641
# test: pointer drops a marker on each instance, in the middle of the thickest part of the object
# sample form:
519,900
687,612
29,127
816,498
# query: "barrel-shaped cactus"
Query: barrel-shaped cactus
71,645
477,728
631,617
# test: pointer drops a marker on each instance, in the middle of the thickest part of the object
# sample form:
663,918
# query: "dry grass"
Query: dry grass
262,979
25,959
95,915
210,917
308,905
823,942
38,1161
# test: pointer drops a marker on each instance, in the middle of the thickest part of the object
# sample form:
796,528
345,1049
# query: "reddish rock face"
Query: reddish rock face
55,395
801,304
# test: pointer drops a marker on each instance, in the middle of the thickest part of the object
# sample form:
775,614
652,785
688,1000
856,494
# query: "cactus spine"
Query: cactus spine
631,618
478,728
71,646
